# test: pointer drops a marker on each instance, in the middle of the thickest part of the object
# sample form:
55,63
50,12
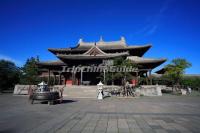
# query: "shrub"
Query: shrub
191,81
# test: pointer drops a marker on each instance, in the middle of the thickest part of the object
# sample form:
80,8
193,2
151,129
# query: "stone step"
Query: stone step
80,91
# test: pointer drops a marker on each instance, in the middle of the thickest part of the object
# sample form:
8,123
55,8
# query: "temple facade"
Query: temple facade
99,53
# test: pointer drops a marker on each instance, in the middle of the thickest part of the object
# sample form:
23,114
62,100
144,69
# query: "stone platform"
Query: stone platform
75,91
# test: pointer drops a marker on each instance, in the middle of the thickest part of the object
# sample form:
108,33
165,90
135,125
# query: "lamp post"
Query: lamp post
100,90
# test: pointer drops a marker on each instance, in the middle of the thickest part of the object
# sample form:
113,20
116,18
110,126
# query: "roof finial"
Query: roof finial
101,39
123,39
80,40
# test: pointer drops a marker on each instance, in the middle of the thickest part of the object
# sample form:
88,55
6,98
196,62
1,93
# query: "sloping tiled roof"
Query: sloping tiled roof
88,57
103,45
51,63
137,59
93,53
161,71
146,62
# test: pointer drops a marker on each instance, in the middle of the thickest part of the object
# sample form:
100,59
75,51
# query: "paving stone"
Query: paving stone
160,131
167,120
122,123
87,131
101,126
137,130
142,123
147,130
143,115
156,127
68,126
165,125
172,131
180,128
123,130
112,126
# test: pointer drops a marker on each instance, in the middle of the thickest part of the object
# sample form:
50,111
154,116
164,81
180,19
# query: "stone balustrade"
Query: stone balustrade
23,89
150,90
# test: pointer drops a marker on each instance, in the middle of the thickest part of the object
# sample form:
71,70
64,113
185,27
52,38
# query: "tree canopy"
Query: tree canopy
120,76
176,69
9,74
29,73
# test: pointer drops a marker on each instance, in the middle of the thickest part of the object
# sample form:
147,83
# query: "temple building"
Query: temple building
97,53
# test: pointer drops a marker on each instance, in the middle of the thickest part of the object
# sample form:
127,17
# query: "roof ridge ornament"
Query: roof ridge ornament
123,39
94,50
80,40
101,39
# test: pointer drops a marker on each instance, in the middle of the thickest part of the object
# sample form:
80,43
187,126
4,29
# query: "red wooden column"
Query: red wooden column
73,78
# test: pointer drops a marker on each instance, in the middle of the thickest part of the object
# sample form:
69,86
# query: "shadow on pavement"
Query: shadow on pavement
57,102
68,101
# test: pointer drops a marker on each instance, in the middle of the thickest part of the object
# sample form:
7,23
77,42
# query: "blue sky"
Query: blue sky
29,27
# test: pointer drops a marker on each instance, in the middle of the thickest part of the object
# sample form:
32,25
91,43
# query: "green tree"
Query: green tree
9,75
176,69
123,76
120,76
29,73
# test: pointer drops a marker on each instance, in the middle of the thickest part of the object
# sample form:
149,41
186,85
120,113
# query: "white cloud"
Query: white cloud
152,30
153,24
17,62
165,6
148,29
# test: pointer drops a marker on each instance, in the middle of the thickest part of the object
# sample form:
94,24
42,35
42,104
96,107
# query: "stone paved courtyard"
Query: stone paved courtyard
166,114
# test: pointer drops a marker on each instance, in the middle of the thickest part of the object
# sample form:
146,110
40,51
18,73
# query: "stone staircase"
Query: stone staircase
80,91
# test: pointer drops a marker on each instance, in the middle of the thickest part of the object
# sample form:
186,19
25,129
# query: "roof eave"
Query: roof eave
87,57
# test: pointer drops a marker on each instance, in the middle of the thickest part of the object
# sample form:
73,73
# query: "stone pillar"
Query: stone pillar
72,78
146,78
158,90
54,79
59,82
112,79
150,78
49,75
137,79
81,76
